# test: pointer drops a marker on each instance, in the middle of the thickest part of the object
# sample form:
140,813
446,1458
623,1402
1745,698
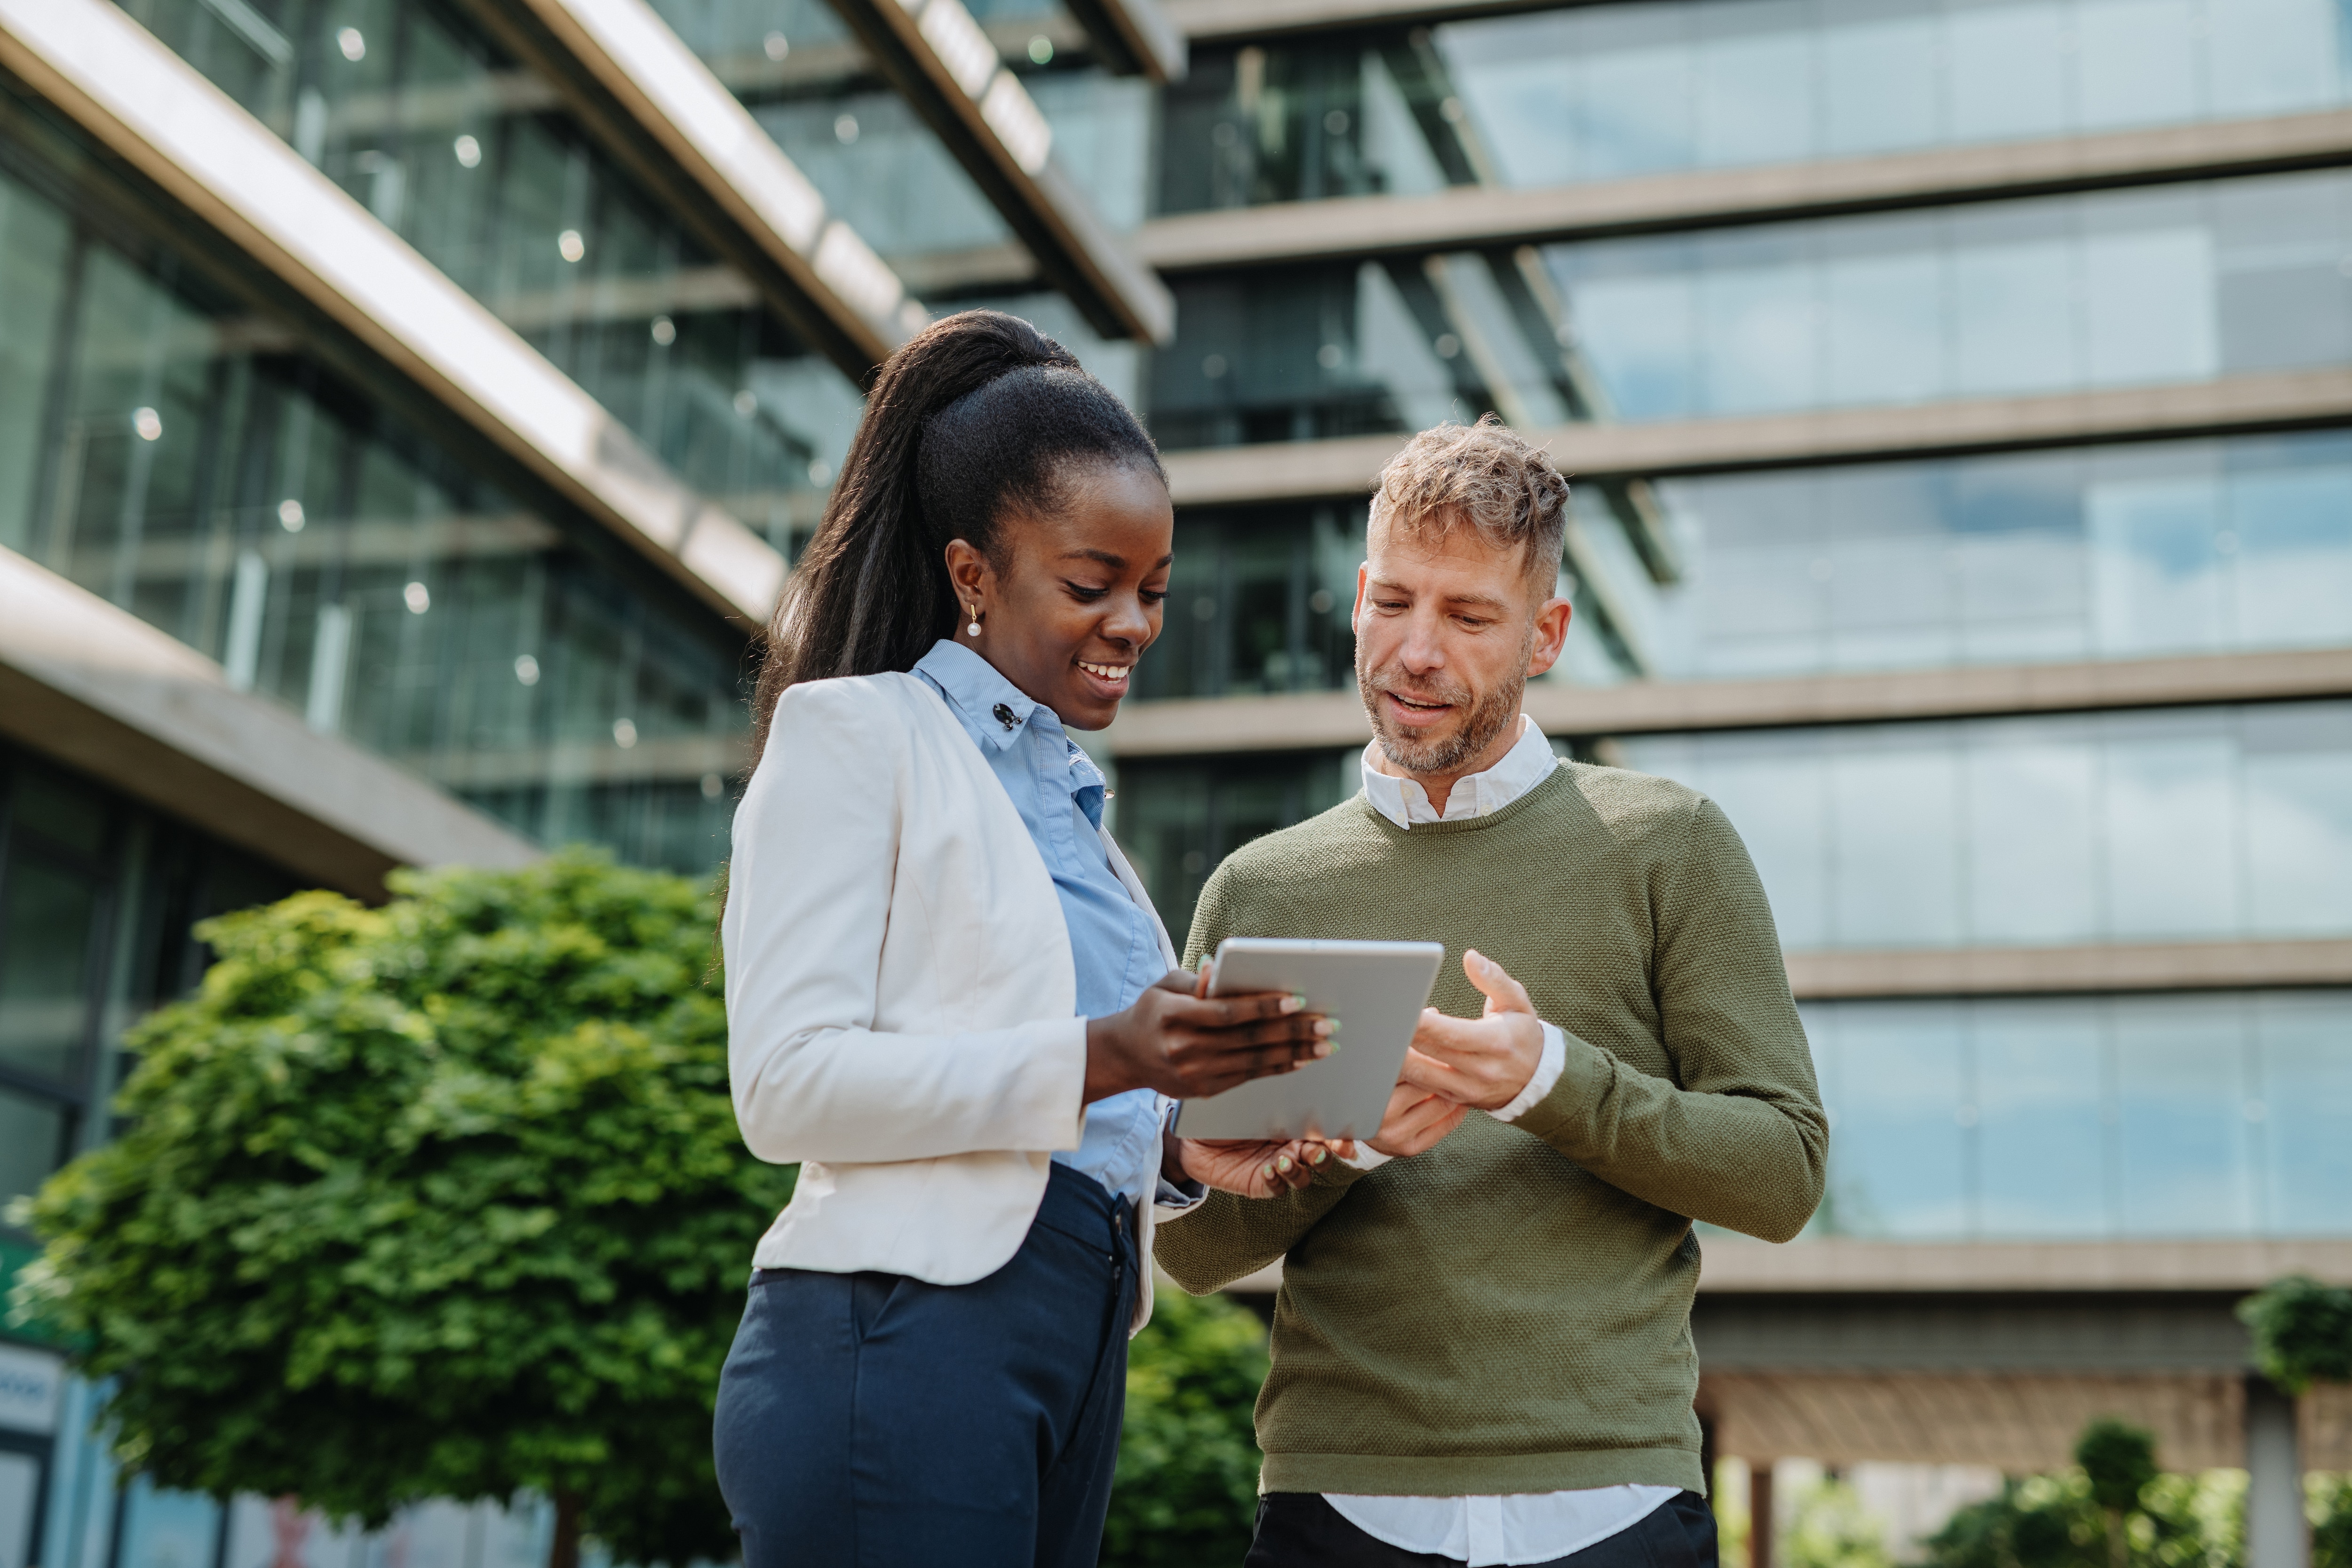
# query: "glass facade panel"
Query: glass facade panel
2134,826
2058,294
200,468
1176,819
1599,92
2086,1118
2055,294
473,160
2099,552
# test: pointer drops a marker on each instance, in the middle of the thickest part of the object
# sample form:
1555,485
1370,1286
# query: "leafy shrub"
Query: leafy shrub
440,1199
2303,1332
1186,1493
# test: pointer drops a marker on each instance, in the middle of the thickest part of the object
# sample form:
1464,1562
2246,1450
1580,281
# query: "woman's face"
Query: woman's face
1079,599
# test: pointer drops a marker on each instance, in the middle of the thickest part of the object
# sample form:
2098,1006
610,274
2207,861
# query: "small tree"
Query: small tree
2119,1461
443,1199
2303,1332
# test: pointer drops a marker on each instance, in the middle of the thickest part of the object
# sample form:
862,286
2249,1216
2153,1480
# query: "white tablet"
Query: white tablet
1375,989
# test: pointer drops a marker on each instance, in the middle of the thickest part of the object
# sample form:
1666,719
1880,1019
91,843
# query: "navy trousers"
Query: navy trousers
873,1421
1299,1530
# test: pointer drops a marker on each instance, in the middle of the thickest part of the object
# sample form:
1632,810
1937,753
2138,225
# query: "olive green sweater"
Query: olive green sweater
1509,1312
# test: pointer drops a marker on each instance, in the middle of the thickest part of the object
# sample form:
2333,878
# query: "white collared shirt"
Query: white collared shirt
1533,1527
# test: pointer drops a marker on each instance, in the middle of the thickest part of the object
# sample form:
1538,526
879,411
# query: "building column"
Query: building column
1760,1516
2276,1533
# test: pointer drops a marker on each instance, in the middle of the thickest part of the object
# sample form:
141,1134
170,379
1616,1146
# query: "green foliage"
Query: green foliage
2328,1505
2119,1461
2303,1332
1186,1493
1828,1529
443,1199
2055,1522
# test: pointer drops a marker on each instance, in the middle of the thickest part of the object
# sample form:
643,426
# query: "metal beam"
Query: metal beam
948,70
1222,21
1335,719
1347,467
1481,217
654,103
146,105
100,689
1134,37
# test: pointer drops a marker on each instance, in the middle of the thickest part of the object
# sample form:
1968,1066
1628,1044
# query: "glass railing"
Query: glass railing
1613,91
2159,826
2180,284
181,452
472,158
2086,1118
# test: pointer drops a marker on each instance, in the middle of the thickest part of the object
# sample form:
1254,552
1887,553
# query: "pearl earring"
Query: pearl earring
974,627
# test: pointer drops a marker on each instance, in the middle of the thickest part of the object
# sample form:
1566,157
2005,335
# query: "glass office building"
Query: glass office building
1957,393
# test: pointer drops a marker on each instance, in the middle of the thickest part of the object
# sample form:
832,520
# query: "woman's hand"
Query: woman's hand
1190,1046
1251,1167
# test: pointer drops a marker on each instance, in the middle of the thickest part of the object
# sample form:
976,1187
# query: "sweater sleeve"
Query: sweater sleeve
1739,1138
1227,1238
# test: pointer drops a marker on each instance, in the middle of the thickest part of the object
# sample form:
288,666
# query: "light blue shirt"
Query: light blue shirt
1058,792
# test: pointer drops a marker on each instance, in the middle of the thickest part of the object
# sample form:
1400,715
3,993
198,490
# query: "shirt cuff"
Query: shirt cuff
1553,1062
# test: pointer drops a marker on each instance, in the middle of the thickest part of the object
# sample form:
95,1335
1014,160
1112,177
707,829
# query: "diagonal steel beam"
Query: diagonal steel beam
145,105
651,102
1134,37
943,63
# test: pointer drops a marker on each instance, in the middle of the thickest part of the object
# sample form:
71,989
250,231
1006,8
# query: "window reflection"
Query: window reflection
2086,1116
2054,294
188,461
2161,825
2113,553
473,160
1599,92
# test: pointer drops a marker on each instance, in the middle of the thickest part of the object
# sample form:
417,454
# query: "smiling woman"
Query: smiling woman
948,995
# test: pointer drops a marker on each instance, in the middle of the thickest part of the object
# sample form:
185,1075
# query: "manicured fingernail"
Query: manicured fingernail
1283,1164
1294,1002
1269,1173
1324,1048
1318,1156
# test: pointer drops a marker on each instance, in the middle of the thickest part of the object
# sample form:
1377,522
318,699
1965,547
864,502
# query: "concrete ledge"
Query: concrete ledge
1217,20
1737,1266
1484,216
101,691
149,107
1320,470
2058,971
1334,718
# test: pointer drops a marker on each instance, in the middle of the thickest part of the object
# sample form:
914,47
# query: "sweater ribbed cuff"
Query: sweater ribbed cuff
1561,1117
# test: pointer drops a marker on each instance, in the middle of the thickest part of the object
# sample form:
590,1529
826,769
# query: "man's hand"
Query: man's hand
1415,1121
1253,1168
1484,1063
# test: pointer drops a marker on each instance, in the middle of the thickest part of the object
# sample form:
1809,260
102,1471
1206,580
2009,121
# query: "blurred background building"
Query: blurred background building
408,408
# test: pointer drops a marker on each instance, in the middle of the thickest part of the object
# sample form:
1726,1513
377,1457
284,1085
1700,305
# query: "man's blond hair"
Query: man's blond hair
1482,476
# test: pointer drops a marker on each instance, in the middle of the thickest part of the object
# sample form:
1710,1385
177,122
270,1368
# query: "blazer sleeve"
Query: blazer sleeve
808,901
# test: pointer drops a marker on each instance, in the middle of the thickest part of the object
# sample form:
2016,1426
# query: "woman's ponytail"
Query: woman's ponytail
871,592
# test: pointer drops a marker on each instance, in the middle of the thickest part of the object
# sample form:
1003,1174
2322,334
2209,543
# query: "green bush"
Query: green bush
1186,1493
440,1199
2303,1332
1828,1529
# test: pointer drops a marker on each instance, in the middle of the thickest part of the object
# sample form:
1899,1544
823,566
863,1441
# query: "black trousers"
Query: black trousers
1299,1530
873,1421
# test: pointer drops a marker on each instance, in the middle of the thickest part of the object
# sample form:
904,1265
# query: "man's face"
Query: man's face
1448,629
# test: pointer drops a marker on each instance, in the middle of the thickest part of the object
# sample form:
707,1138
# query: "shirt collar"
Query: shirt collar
1526,764
983,696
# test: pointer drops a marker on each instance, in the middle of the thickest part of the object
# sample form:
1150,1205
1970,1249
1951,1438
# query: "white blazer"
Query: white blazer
901,1005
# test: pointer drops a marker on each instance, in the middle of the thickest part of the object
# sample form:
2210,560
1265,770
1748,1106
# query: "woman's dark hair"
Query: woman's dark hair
979,416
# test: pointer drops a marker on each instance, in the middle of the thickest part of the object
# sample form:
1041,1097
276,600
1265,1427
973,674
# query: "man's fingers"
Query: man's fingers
1503,994
1434,1077
1437,1032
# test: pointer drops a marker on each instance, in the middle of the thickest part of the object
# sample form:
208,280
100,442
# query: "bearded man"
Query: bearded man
1482,1348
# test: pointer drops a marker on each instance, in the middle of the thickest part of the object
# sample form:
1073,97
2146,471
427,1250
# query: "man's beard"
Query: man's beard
1482,722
